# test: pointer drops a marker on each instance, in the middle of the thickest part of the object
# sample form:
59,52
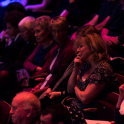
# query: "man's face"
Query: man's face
12,31
18,113
46,119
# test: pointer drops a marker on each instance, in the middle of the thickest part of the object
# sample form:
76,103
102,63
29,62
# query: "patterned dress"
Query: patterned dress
103,74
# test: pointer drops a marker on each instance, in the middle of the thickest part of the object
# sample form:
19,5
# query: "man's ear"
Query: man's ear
29,111
60,123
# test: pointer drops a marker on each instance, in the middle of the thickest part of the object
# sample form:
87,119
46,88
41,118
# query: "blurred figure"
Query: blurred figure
62,55
119,111
55,114
40,7
78,12
25,109
16,42
101,18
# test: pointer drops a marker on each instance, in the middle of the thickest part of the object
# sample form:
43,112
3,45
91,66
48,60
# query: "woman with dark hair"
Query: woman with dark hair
16,41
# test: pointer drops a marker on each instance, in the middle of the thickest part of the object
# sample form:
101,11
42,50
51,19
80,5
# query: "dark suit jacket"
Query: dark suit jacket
26,51
65,56
12,53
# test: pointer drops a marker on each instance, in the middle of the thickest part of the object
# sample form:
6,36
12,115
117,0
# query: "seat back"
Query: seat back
120,82
105,109
4,112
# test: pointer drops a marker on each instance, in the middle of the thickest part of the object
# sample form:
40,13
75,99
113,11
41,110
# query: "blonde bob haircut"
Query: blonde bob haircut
43,22
59,21
96,44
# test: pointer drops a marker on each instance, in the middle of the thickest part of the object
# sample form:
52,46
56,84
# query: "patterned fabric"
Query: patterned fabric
100,75
76,115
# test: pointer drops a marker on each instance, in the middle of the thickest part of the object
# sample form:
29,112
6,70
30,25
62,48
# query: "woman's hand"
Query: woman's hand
38,68
78,61
35,88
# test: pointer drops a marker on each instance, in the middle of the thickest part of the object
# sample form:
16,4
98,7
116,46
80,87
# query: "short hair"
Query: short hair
16,6
88,29
59,113
13,17
96,44
29,100
43,21
60,22
27,22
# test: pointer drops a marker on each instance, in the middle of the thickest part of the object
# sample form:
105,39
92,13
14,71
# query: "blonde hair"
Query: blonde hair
43,21
60,22
96,44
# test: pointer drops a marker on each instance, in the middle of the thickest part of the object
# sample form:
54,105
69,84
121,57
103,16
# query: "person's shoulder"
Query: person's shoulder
105,67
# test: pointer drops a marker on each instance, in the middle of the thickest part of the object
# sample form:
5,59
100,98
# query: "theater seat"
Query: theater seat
106,109
121,81
4,112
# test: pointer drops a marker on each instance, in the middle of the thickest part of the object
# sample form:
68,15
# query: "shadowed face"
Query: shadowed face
59,34
11,30
26,33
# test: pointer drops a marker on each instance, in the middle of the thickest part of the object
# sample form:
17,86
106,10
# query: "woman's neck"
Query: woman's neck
95,64
47,43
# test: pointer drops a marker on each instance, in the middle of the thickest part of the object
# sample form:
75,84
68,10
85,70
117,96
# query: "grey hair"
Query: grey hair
29,100
27,22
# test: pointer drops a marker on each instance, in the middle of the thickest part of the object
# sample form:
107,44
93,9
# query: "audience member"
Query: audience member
78,12
111,33
26,27
40,7
10,7
55,114
27,32
62,55
25,109
16,43
84,30
38,62
81,31
104,14
92,77
119,111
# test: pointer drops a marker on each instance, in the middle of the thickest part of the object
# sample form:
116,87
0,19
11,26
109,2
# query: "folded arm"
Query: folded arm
38,7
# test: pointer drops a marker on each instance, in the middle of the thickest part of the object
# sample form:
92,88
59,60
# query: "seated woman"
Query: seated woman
92,77
62,55
38,62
